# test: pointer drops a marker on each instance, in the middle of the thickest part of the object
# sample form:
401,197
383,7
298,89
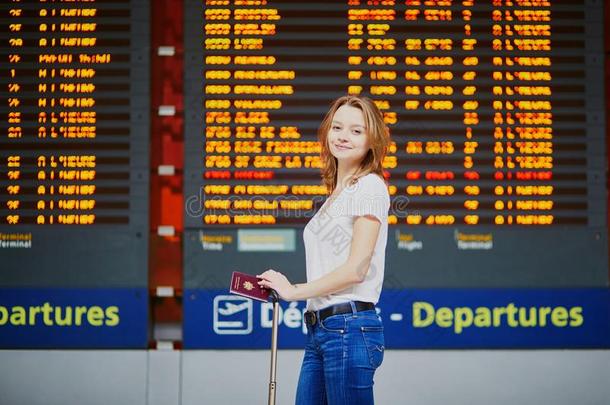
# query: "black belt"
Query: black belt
344,308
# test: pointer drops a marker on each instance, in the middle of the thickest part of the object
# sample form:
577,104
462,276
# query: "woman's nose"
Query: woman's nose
342,136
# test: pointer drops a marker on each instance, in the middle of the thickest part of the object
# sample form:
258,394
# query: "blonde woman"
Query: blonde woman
345,245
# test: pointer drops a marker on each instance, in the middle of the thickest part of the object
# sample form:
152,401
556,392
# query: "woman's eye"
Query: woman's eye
357,132
336,128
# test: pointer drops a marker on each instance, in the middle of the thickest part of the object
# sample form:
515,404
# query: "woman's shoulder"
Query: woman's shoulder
376,177
370,185
369,196
373,180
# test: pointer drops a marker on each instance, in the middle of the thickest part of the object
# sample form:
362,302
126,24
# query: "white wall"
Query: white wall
66,377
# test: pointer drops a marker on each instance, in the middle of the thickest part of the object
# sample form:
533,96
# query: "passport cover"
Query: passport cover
247,285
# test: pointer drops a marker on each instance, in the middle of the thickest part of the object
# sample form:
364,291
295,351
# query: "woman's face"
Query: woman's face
347,138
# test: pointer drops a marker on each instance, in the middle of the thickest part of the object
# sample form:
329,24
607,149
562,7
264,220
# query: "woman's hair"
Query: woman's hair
376,130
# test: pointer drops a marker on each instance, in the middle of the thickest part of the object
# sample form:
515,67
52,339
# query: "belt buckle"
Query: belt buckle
310,318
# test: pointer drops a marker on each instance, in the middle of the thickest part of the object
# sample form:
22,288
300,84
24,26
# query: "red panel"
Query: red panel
167,140
607,98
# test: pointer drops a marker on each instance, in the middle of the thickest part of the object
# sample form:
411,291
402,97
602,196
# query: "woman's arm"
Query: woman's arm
353,271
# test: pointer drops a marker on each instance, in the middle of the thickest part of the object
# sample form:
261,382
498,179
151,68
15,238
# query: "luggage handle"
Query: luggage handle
272,383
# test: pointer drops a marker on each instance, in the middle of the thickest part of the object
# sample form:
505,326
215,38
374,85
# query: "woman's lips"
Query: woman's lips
342,147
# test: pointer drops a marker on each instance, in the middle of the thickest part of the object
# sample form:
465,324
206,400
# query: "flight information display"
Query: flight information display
496,167
74,145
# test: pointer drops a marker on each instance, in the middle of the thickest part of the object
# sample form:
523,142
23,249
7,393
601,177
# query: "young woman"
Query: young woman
345,255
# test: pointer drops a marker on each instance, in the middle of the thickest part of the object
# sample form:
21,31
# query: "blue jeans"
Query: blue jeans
341,356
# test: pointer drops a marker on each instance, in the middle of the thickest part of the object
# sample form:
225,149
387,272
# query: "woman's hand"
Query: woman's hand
277,281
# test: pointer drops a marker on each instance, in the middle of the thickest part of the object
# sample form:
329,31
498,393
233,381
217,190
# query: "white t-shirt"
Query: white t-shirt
327,237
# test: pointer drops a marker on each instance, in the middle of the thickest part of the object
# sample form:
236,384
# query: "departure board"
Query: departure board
74,145
496,170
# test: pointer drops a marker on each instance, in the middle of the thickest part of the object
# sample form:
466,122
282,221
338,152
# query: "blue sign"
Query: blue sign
37,318
417,319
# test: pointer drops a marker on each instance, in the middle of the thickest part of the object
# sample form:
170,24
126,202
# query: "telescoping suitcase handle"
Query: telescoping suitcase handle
275,298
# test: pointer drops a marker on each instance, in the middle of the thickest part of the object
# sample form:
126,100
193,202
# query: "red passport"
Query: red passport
247,285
